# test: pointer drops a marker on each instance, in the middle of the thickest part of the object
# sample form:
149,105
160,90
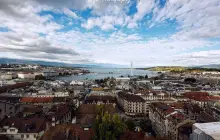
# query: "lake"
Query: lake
100,73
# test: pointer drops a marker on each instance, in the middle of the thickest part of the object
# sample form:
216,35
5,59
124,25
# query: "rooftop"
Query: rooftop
75,130
130,97
25,125
212,129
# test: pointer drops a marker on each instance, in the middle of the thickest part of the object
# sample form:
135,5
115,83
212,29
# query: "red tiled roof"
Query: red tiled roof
193,94
179,116
200,96
36,99
27,99
177,105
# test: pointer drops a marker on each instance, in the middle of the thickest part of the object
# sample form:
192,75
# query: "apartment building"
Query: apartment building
8,108
27,75
22,128
200,98
166,119
139,101
100,99
132,104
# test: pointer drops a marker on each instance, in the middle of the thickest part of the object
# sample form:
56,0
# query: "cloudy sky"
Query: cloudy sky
146,32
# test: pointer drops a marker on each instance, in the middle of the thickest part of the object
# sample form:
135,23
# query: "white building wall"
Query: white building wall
26,76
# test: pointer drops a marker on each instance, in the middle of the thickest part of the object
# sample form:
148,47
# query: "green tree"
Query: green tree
107,126
39,77
130,124
146,76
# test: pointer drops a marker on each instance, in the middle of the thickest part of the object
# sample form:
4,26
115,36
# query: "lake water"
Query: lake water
100,73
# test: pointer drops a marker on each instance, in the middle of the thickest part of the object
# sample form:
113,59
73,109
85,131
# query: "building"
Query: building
201,98
206,131
86,113
59,114
151,96
158,114
27,75
185,132
175,121
100,99
8,76
166,119
23,128
50,73
8,108
80,83
6,82
68,132
132,104
123,80
193,111
213,109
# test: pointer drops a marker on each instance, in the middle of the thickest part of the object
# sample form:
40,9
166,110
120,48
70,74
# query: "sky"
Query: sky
145,32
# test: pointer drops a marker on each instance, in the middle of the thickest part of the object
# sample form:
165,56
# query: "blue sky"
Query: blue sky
146,32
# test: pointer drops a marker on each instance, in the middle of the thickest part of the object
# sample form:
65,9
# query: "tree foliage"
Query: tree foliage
107,126
130,124
190,80
146,76
39,77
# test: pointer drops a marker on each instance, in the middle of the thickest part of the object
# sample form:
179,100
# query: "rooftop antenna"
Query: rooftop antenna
131,69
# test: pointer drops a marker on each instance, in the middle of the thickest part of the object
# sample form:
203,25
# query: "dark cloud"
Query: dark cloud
75,4
10,7
33,46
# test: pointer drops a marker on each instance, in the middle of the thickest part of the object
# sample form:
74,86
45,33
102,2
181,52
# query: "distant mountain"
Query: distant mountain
210,66
46,63
59,64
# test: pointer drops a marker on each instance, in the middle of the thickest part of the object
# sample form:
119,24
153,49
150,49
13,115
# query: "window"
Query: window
12,130
27,136
10,108
22,136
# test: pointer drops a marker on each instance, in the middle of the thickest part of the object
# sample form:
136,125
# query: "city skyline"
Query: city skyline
145,32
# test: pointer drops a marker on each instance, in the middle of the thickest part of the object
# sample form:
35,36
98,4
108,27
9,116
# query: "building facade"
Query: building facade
8,109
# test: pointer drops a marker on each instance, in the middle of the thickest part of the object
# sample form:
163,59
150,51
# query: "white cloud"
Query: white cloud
199,58
104,22
144,7
70,13
197,19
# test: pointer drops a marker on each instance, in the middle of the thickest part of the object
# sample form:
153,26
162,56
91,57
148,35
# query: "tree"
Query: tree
130,124
107,126
190,80
141,77
146,76
39,77
162,76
